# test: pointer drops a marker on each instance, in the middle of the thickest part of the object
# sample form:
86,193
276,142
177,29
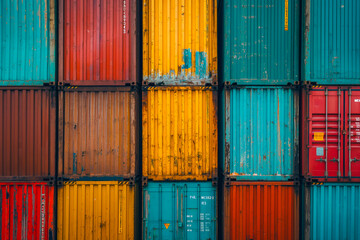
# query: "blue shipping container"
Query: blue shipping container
27,42
334,210
179,210
260,41
260,133
332,41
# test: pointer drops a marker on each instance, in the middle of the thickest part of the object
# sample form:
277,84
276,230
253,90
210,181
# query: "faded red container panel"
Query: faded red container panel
98,132
27,132
331,136
261,210
27,210
97,42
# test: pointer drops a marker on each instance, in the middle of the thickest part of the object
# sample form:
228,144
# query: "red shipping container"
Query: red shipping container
97,42
27,210
261,210
27,133
331,133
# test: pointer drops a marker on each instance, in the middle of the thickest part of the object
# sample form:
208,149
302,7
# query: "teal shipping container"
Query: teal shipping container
332,211
259,42
179,210
27,42
260,133
331,41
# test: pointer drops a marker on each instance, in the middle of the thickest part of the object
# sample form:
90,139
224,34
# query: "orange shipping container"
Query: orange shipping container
261,210
98,132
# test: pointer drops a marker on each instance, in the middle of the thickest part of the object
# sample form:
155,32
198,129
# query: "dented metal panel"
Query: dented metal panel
260,41
27,42
180,136
97,42
96,210
261,133
179,210
331,41
99,132
26,210
261,210
27,132
180,42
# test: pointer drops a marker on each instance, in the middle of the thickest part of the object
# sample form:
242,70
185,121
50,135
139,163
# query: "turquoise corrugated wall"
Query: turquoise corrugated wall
260,41
27,42
262,133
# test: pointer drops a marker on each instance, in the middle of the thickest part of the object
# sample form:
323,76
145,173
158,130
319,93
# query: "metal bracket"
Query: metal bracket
144,181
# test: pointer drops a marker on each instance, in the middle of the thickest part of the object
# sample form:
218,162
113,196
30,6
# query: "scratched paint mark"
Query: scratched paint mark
200,64
187,59
74,163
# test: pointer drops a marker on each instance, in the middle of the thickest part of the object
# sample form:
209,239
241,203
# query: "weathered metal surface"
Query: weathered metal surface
27,132
260,41
180,42
27,42
97,210
26,210
332,211
261,210
331,41
97,43
179,210
99,132
331,142
179,129
261,133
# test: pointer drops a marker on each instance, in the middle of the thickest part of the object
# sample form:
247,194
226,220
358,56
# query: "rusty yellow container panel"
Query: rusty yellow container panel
180,135
180,42
97,210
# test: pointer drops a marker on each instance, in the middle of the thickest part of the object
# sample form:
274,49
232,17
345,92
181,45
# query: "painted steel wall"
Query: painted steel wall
27,42
260,42
27,132
180,42
332,41
179,129
261,133
98,132
26,210
332,211
331,142
96,210
97,44
261,210
179,210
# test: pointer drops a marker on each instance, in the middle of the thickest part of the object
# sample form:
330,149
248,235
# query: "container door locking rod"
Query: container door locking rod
339,135
351,160
326,135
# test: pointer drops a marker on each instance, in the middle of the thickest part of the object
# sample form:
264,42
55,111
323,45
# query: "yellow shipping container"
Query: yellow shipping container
180,135
180,41
97,210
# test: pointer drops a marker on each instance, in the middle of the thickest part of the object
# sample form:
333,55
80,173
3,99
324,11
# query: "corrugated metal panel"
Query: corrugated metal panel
261,133
26,210
179,210
27,132
180,42
334,211
261,41
179,133
27,42
98,132
261,210
96,210
97,42
332,41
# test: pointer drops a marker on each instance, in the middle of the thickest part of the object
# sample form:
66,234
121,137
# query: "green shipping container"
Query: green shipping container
27,42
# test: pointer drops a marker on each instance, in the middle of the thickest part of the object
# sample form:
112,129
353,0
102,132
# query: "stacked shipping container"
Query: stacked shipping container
259,115
330,119
179,119
27,119
98,138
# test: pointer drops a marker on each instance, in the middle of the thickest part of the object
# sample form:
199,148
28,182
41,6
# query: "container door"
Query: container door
352,130
325,136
